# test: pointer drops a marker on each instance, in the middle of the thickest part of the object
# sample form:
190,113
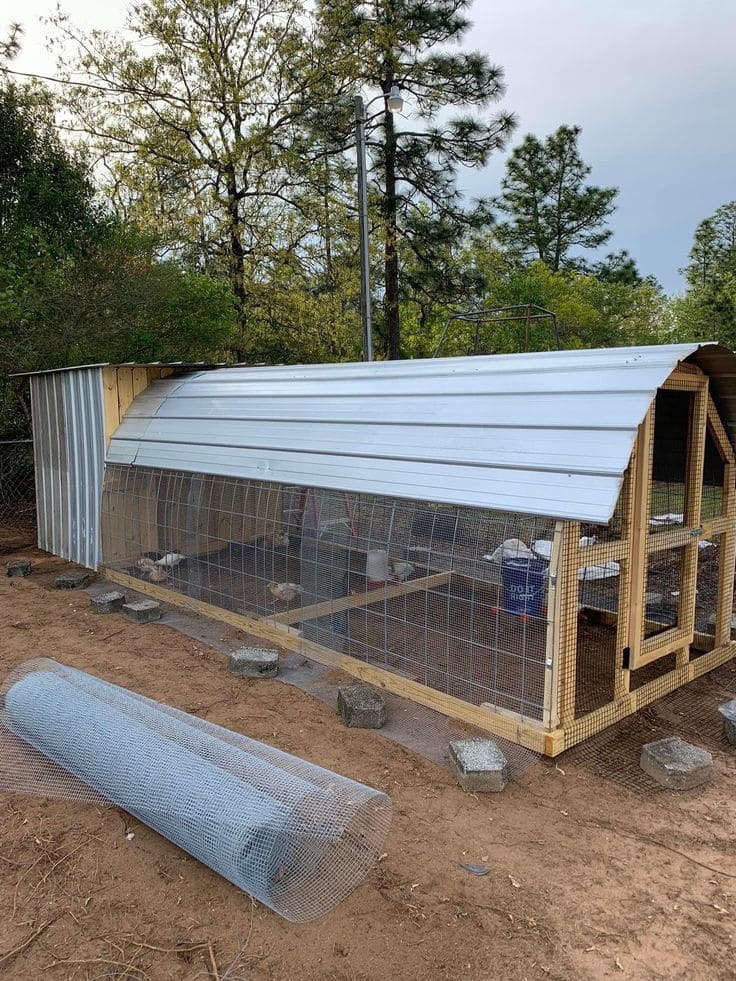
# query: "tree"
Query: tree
76,285
385,43
10,44
713,253
47,204
551,209
197,117
708,311
590,312
616,267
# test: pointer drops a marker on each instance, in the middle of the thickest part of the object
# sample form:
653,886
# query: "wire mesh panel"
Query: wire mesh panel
295,836
455,598
17,487
599,568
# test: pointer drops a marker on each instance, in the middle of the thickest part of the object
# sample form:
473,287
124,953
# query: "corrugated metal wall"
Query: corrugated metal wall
69,450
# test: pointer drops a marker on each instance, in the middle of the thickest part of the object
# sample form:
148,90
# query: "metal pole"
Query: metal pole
365,271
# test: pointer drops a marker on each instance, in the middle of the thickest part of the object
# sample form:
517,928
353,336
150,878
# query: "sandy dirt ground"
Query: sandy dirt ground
587,880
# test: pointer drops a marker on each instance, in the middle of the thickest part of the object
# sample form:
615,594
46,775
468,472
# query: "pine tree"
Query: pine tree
551,209
414,166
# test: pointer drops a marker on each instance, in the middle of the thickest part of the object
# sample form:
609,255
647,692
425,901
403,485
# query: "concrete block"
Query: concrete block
253,662
728,711
675,764
72,580
480,765
18,569
107,602
361,706
143,611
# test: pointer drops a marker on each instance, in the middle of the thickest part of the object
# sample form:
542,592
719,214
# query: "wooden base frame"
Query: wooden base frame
501,723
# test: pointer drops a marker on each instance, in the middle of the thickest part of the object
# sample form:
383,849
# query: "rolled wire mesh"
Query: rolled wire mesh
291,834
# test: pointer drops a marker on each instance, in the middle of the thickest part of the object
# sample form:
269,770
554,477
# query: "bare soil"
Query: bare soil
587,880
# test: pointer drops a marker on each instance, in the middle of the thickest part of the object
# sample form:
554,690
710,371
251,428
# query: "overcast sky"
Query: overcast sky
651,82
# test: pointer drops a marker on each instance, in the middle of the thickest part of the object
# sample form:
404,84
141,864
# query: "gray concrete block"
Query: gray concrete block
72,580
107,602
18,569
253,662
480,765
144,611
361,706
675,764
728,711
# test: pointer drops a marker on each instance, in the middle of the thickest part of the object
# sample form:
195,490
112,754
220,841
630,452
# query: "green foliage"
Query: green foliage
590,312
551,209
75,285
414,167
708,310
200,125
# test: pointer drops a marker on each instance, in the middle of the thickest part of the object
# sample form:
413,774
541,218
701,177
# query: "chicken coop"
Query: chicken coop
536,544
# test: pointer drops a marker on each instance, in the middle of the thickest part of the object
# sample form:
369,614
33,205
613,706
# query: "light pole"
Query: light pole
394,103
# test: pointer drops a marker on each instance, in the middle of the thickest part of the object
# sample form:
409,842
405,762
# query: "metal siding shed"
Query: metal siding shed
69,449
546,434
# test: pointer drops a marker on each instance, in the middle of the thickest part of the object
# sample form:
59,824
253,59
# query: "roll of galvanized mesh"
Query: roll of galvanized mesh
293,835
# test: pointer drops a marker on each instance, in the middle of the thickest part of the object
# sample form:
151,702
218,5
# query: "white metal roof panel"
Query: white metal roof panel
548,434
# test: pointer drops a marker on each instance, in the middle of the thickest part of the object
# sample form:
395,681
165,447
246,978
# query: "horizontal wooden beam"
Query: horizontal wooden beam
659,541
588,725
522,731
602,552
329,607
685,381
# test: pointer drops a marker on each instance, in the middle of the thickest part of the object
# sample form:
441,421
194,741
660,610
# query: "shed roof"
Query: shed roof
182,365
546,434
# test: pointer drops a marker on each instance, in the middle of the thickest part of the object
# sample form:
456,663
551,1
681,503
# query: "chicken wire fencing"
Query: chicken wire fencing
291,834
17,486
455,598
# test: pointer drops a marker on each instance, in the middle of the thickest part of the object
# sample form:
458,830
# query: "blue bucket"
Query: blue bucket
523,586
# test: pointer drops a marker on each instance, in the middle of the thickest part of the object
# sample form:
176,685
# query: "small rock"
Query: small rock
361,706
480,765
675,764
144,611
72,580
253,662
107,602
728,711
18,569
654,599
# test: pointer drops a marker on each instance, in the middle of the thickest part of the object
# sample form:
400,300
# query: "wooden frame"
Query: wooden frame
331,606
505,724
560,727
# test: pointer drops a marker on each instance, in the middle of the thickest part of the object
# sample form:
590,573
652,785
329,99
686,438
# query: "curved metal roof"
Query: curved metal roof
547,434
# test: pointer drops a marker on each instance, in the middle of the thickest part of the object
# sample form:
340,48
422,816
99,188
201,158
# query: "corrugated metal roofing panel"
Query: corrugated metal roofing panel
548,434
69,449
184,365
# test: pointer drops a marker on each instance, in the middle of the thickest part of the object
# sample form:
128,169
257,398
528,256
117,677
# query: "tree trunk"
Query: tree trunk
391,258
236,269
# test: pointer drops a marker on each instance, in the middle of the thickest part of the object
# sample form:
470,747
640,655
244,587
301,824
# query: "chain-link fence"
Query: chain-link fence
17,491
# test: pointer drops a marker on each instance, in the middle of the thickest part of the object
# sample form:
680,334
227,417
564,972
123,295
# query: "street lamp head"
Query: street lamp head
394,100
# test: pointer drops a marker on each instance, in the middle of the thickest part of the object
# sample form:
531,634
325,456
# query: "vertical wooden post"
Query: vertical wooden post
568,587
641,489
691,514
724,599
551,716
110,402
622,670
